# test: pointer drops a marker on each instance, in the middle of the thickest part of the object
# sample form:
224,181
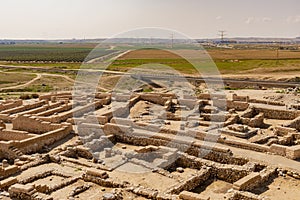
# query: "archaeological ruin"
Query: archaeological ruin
148,145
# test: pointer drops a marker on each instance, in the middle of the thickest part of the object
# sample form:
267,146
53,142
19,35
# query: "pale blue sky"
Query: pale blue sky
103,18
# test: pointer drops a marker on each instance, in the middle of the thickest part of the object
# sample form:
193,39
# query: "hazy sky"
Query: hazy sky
105,18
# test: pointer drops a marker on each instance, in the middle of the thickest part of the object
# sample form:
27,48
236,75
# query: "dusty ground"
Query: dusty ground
214,189
281,188
270,94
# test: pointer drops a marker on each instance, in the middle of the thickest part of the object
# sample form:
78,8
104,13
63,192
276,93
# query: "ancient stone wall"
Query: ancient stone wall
294,124
245,145
237,105
10,104
24,107
33,125
48,96
277,113
154,98
36,143
192,182
236,97
7,135
75,112
54,110
41,109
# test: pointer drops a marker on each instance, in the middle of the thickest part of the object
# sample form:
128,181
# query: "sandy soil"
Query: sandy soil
128,171
215,190
270,95
281,188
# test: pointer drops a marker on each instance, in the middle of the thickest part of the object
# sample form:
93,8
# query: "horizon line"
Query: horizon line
104,38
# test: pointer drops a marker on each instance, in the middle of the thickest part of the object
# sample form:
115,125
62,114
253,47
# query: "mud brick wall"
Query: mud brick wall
139,137
119,112
296,106
30,124
227,172
63,97
14,135
8,171
185,195
190,103
4,151
128,122
274,103
2,124
75,112
238,195
230,173
191,183
232,120
237,105
105,101
79,111
294,124
59,109
248,182
9,105
41,109
100,119
5,184
245,145
48,96
220,103
215,117
103,182
255,179
24,108
204,96
154,98
35,110
165,95
209,96
133,101
256,121
102,95
36,143
278,149
200,135
6,118
236,97
85,129
121,97
277,114
293,152
282,131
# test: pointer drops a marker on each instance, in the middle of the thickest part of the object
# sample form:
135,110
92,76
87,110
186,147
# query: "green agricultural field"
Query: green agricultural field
259,66
229,61
57,65
48,53
180,65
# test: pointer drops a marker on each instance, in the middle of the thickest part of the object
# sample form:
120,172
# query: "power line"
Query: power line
222,34
172,40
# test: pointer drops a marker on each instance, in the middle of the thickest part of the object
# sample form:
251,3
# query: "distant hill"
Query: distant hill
155,40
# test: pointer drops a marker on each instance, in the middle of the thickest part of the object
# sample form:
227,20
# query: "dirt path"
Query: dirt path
38,76
111,56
